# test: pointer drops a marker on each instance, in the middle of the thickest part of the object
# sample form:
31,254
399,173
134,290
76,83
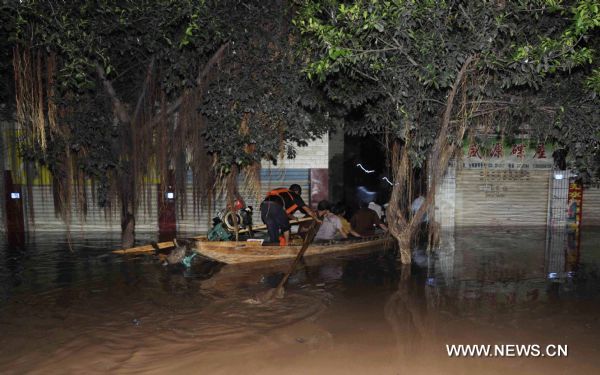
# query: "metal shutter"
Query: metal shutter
591,207
192,222
487,197
96,218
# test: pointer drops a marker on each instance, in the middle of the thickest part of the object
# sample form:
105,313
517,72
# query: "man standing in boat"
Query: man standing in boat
278,208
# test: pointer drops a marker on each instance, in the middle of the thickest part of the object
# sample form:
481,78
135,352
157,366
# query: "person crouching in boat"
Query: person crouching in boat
278,208
331,228
339,209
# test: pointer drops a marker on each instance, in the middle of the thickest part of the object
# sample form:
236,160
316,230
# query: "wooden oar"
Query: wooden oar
278,292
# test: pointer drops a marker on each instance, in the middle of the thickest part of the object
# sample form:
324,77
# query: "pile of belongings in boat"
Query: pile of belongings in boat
225,221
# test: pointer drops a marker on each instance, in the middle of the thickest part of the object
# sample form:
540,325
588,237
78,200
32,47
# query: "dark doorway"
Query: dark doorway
366,171
167,210
13,211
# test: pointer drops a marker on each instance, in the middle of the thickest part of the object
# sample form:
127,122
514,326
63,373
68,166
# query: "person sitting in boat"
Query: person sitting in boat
339,210
278,208
331,226
365,220
377,208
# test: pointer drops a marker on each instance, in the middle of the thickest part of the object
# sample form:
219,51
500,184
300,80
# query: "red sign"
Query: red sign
540,152
575,203
474,151
518,150
574,216
497,151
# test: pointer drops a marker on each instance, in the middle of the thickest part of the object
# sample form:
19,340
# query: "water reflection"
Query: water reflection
493,287
90,311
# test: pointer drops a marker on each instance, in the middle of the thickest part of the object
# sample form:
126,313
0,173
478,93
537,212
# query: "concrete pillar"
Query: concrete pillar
336,165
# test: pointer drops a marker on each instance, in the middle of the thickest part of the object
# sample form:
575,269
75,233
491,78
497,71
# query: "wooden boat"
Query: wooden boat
169,244
231,252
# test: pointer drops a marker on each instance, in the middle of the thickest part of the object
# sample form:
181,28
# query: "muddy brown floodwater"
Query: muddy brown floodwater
88,311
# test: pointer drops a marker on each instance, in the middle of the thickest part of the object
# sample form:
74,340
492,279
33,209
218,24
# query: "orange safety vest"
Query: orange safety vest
278,192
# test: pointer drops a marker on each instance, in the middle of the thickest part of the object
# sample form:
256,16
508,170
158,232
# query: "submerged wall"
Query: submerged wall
510,190
591,207
538,196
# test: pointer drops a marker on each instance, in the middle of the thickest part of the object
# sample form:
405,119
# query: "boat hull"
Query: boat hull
231,252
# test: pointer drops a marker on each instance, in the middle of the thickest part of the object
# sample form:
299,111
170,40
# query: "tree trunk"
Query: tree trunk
127,195
405,248
128,231
128,183
403,230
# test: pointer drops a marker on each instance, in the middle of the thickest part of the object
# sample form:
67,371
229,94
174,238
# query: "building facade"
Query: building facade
31,207
517,187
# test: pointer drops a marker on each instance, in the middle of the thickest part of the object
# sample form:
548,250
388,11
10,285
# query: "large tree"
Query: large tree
423,73
565,64
122,90
95,86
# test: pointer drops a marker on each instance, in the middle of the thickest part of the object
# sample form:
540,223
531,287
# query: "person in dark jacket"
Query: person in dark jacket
365,220
278,208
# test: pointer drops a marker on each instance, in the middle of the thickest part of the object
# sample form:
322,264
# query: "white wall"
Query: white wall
314,155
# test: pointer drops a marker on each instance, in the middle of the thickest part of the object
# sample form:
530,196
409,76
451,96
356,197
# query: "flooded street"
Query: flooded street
89,311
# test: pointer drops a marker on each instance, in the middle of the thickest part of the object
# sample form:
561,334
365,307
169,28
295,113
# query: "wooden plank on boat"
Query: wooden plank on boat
149,248
144,248
264,227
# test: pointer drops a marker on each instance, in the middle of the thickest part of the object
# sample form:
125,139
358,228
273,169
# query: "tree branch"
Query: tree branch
147,80
201,80
118,106
437,156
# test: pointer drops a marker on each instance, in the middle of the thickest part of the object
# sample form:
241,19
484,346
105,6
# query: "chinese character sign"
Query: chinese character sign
474,151
497,151
540,152
518,150
575,203
574,216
